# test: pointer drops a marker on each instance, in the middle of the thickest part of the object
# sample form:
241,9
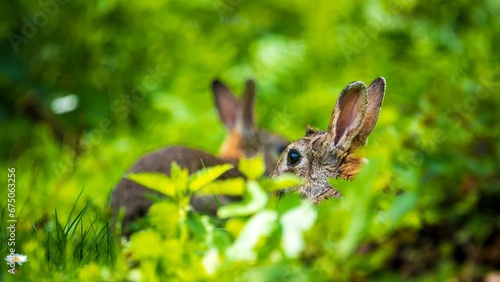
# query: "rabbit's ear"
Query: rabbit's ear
376,92
226,103
348,115
246,118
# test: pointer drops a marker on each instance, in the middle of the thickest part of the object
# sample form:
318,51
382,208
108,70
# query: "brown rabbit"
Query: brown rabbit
244,140
321,155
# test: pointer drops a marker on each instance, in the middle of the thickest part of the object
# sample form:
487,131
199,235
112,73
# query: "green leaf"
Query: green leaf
232,186
260,225
146,245
294,223
154,181
179,177
402,205
165,217
360,196
203,177
281,182
252,168
288,201
221,239
254,200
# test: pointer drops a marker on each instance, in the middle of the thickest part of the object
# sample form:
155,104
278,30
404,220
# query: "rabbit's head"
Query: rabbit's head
322,155
245,139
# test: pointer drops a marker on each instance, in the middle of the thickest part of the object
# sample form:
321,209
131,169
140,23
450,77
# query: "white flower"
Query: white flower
16,258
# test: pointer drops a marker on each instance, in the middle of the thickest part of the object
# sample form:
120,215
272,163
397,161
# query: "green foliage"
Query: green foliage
253,168
255,200
201,178
195,242
424,207
179,184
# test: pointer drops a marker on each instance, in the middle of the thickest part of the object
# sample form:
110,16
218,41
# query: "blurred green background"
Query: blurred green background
88,87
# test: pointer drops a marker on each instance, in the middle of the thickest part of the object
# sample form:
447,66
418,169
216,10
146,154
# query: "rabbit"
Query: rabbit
322,155
244,140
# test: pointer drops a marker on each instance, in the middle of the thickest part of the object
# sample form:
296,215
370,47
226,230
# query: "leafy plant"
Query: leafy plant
181,239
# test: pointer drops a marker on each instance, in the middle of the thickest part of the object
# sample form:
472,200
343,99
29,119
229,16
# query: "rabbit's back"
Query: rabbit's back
133,197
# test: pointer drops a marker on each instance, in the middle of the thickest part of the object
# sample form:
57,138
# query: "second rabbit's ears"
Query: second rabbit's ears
234,113
355,114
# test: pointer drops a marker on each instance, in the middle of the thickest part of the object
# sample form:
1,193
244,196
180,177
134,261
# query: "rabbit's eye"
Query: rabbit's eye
293,157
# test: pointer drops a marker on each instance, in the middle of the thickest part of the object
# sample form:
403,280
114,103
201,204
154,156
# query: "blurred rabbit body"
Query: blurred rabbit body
244,140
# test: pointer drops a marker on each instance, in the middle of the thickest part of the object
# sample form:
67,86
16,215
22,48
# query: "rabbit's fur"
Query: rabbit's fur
244,140
322,155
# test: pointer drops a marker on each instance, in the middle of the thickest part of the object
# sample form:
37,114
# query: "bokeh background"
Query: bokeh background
86,87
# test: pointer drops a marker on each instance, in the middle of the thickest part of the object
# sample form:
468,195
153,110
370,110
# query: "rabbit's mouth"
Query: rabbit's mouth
317,191
312,193
330,193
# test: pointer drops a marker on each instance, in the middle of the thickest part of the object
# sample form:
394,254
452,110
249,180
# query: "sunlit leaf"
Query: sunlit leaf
253,168
146,244
232,186
211,261
165,216
154,181
255,199
90,272
179,177
281,182
234,226
203,177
